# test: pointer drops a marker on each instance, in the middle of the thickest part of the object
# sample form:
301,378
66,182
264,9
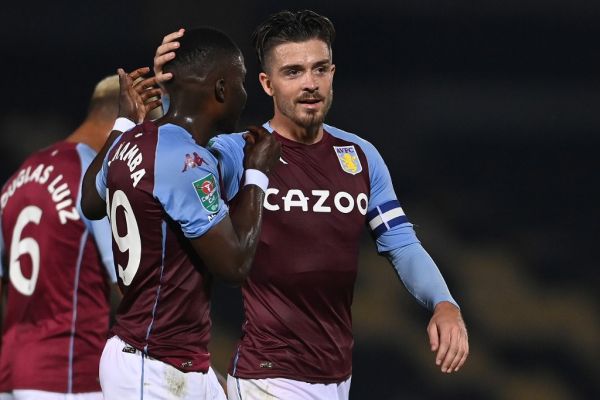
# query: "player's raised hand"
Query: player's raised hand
448,337
262,151
137,95
165,53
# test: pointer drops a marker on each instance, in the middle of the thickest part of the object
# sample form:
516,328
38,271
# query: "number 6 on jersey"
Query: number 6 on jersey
130,242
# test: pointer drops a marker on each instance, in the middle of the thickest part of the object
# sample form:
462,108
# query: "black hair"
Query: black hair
200,50
289,26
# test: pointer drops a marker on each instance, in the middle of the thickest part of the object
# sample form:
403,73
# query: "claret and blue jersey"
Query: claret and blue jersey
299,292
162,189
58,268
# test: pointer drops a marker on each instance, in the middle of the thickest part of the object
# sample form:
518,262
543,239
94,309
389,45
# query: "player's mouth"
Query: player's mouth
312,102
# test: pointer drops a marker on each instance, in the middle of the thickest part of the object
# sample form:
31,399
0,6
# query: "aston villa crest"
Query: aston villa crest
348,159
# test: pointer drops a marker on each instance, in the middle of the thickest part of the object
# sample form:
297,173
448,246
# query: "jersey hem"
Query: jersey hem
313,379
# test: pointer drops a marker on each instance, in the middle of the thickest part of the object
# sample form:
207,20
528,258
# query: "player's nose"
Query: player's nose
310,83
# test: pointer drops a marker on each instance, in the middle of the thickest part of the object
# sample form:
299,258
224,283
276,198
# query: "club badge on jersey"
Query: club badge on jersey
348,159
208,193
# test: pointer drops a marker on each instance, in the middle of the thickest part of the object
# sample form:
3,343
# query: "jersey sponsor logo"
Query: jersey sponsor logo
348,159
320,201
192,161
208,193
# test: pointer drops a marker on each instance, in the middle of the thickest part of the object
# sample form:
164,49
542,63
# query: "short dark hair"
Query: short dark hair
200,50
289,26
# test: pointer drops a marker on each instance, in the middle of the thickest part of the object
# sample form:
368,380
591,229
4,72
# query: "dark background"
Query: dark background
487,116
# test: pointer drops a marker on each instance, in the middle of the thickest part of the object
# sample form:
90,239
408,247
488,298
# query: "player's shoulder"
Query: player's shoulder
173,140
353,138
226,140
59,153
177,154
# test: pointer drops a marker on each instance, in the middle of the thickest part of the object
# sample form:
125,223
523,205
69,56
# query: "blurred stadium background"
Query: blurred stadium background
487,116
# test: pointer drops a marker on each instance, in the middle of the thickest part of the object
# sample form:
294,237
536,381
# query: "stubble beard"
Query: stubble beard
311,120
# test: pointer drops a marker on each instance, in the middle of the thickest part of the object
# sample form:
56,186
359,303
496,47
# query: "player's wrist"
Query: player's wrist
123,124
255,177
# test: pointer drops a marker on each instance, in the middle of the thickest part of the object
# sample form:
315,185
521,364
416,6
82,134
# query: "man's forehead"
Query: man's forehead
308,51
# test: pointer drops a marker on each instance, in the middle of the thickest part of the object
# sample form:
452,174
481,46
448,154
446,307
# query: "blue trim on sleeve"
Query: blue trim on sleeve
383,208
388,206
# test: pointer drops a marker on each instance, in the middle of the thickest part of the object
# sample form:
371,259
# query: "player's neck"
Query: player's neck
292,131
92,132
199,126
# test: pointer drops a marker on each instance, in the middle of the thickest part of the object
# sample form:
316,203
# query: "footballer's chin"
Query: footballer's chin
309,117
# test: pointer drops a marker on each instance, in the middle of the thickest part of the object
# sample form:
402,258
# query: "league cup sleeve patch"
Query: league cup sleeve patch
386,216
208,193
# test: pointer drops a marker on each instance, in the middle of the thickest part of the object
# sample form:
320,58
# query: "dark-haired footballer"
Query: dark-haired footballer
171,228
328,184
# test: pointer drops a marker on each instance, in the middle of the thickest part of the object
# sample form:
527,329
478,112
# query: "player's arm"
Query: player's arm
228,248
397,240
135,102
446,329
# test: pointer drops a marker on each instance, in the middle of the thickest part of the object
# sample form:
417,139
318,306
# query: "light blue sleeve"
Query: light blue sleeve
229,149
103,173
397,240
99,229
191,197
420,275
394,235
387,220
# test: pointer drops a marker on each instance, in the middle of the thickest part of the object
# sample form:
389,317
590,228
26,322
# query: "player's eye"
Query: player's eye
292,72
323,69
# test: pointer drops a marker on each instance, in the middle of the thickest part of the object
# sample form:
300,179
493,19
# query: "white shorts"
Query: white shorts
285,389
42,395
124,375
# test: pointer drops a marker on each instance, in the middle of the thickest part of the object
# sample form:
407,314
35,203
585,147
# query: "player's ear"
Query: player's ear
265,82
332,69
220,90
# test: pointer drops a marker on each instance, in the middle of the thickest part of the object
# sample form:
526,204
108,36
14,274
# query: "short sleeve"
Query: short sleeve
187,185
103,173
100,229
229,149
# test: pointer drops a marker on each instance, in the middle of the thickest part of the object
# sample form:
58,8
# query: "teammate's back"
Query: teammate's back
53,271
153,208
58,265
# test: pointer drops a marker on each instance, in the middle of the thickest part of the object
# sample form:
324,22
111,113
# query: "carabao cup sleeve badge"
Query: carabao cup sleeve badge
348,159
208,193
